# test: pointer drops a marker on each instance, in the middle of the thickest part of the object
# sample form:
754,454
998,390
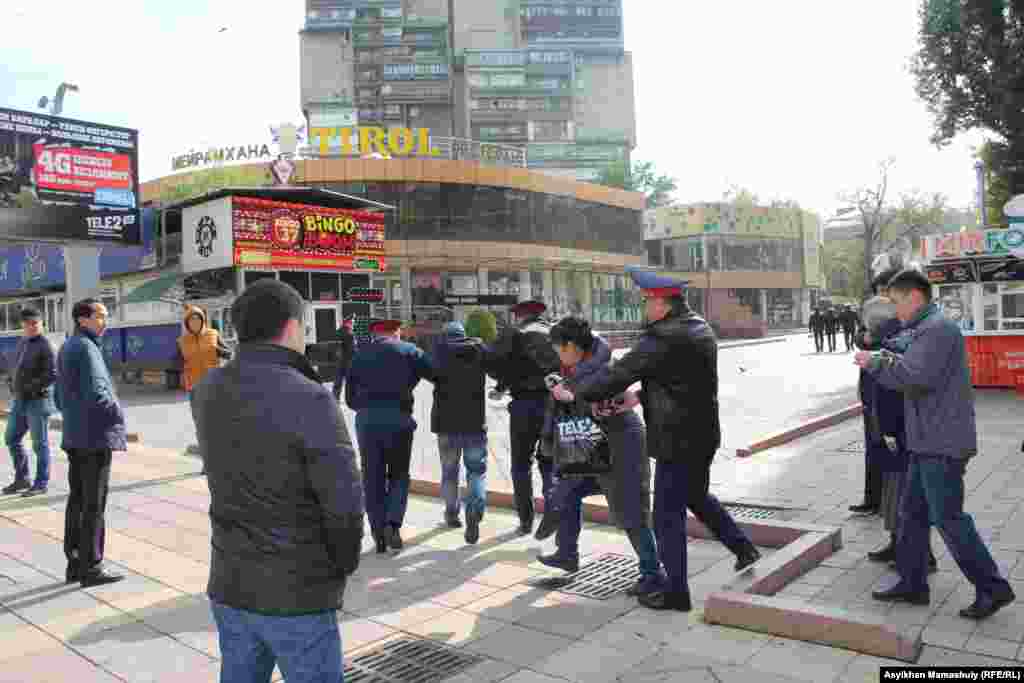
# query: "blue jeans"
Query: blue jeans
385,448
472,450
33,417
568,497
678,486
934,496
306,648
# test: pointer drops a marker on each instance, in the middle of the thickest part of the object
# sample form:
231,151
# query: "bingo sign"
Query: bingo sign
63,179
275,234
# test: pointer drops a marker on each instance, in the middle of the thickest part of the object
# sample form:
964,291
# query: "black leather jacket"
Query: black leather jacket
676,360
286,499
33,378
522,357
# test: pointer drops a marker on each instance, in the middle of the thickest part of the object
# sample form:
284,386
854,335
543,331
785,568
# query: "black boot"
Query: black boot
548,525
746,557
666,600
886,554
557,561
395,539
382,542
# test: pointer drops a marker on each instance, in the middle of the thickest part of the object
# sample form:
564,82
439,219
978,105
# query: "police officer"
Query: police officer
831,328
379,389
520,359
850,319
676,359
817,325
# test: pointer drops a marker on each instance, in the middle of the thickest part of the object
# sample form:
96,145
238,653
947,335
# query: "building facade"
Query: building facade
749,267
550,77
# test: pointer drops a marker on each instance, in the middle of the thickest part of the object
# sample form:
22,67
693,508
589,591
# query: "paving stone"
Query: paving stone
725,645
406,612
457,628
456,593
866,669
136,652
187,618
509,605
745,674
358,633
531,677
521,646
994,647
937,656
807,661
487,671
50,665
587,662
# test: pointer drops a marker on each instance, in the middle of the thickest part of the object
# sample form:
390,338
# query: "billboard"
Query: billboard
67,180
275,234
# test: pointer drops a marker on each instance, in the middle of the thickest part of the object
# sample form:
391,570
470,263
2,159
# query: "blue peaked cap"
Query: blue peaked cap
649,280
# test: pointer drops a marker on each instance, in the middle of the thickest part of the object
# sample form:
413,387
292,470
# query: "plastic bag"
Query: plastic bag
580,447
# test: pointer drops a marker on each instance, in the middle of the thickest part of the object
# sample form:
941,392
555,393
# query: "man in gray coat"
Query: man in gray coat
941,437
286,504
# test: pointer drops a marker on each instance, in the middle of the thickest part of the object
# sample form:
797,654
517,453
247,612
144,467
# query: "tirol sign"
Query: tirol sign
285,235
974,243
371,139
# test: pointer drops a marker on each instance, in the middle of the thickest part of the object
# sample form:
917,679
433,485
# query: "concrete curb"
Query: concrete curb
794,433
57,424
751,342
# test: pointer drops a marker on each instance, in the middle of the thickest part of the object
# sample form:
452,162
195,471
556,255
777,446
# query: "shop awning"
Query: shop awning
169,286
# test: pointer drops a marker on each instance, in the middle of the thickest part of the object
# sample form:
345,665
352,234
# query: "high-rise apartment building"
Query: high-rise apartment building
551,76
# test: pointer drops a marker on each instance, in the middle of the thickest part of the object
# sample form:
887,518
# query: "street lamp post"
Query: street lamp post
57,105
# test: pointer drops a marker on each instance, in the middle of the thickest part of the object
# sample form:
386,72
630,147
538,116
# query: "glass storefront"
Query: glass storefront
730,252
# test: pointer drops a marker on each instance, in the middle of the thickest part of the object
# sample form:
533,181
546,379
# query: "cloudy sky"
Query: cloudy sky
792,99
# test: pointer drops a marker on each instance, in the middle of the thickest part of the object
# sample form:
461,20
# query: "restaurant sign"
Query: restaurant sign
948,273
973,243
284,235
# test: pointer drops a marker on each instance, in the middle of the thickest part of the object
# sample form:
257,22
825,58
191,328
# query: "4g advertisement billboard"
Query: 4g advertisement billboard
67,180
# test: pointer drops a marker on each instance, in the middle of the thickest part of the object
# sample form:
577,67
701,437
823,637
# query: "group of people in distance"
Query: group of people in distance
825,323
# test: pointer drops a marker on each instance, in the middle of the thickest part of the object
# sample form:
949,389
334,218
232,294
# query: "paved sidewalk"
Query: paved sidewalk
156,625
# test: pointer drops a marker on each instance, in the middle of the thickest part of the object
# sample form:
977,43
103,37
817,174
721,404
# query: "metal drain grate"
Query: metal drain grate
853,447
750,511
408,660
606,576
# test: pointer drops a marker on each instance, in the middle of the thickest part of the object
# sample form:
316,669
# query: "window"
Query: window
391,12
551,131
391,33
461,284
584,11
392,110
607,11
548,83
513,80
670,256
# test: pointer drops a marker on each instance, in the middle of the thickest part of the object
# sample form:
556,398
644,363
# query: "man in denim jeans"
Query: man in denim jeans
942,436
458,419
32,377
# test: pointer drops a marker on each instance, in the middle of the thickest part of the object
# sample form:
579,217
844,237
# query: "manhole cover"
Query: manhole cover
606,576
750,511
853,447
408,660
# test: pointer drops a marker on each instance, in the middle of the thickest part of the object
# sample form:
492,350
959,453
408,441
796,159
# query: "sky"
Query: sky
791,99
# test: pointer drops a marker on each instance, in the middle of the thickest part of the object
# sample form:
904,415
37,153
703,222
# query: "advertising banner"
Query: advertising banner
62,179
947,273
296,236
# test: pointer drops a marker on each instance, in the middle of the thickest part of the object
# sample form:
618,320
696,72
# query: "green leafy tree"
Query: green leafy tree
642,177
997,184
970,72
482,324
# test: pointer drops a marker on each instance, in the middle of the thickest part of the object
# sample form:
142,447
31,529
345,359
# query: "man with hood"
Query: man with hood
459,419
521,358
199,349
676,360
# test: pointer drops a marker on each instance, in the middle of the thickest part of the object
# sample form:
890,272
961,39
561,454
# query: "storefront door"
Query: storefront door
325,322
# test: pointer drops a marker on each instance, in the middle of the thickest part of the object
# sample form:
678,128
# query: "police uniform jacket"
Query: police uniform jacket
676,359
522,357
382,378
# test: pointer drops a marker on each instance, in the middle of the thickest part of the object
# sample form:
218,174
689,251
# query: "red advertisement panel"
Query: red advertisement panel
66,168
284,235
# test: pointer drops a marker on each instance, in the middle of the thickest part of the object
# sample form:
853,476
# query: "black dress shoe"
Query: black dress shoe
34,491
548,525
986,606
382,543
452,521
525,528
556,561
886,554
100,578
646,585
899,593
71,574
16,487
395,539
747,557
864,509
666,600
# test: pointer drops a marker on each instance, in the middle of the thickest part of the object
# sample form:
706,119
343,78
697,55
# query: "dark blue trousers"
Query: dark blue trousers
934,496
385,448
526,421
678,486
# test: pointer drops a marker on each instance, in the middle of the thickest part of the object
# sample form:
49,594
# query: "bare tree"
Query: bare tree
915,213
875,215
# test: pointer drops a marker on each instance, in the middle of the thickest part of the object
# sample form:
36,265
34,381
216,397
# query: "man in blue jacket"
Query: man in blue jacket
93,430
379,389
941,438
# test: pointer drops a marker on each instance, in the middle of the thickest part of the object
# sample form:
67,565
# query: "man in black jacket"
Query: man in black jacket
831,329
460,422
286,504
31,381
347,344
850,319
817,325
521,358
676,359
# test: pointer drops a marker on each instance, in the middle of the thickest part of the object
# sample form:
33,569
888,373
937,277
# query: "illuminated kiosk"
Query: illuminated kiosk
978,281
